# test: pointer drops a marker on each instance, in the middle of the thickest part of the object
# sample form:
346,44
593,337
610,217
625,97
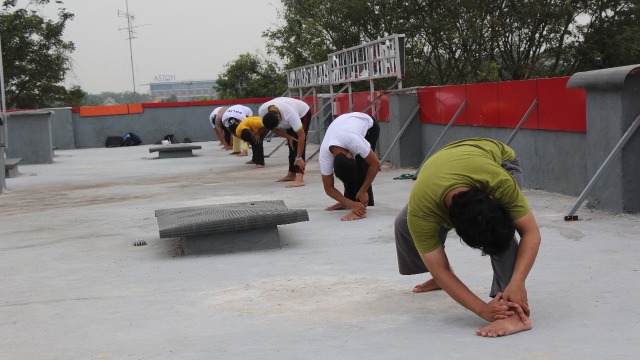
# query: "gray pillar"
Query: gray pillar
407,151
320,123
3,181
612,106
29,134
62,128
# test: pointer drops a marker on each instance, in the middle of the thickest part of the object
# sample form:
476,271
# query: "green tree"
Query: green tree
465,41
171,98
74,97
610,38
248,76
35,56
127,97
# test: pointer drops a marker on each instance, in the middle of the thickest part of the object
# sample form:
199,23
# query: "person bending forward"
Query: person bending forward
347,151
288,117
472,185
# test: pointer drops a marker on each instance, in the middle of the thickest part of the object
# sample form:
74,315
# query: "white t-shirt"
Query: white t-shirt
239,112
346,131
212,117
291,111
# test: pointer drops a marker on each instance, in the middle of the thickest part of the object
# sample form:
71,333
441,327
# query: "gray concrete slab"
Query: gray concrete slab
74,286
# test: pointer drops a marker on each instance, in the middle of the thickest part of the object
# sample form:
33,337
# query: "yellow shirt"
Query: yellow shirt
253,123
473,163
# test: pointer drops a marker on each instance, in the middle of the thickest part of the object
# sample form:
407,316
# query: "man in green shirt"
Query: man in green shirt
472,185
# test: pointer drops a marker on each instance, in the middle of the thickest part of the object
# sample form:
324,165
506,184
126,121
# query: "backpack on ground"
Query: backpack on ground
131,139
114,141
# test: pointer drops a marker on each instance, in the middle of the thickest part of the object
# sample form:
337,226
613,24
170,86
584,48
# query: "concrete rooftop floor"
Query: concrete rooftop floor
74,286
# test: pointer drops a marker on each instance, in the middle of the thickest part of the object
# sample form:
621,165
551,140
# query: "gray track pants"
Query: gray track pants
410,262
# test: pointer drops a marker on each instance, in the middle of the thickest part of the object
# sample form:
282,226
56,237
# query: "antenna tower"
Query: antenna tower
131,35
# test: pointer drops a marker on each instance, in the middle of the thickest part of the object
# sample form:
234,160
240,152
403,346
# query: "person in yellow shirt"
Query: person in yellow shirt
249,131
252,124
472,185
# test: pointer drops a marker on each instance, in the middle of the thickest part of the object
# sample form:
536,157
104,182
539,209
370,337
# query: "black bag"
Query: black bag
114,141
131,139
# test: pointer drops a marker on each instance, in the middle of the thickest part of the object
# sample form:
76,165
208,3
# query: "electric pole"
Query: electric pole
131,36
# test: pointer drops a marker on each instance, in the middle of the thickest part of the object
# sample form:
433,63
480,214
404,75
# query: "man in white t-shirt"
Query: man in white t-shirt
287,116
348,151
216,123
235,114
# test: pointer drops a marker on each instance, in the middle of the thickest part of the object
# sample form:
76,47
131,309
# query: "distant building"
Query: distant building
183,90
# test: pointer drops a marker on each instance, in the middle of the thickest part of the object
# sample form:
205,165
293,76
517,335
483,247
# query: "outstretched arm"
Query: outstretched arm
302,139
357,207
438,265
374,167
220,134
284,134
257,137
530,240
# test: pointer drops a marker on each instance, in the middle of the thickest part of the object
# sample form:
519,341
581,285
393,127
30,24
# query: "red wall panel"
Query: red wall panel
482,105
361,100
309,101
429,105
341,104
504,104
560,108
515,98
382,105
449,100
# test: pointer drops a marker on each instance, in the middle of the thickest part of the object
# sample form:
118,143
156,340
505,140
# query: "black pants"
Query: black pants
257,151
293,150
350,190
227,135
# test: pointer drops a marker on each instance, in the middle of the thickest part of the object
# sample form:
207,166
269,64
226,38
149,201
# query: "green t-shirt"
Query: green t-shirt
473,163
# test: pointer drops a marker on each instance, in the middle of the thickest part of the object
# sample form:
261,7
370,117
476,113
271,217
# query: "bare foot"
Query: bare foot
295,184
250,162
353,216
511,325
244,153
258,166
337,206
234,153
429,285
287,178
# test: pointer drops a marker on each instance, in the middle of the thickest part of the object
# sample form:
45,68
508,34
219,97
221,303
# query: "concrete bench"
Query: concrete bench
11,167
174,150
228,228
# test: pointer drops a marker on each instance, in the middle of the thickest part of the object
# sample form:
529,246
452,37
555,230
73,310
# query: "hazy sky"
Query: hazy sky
189,39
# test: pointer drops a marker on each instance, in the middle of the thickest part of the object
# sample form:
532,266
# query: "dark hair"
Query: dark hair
270,120
246,135
233,126
481,221
345,168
